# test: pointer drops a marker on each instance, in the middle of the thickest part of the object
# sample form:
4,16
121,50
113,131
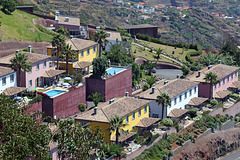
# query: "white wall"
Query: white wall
8,82
156,110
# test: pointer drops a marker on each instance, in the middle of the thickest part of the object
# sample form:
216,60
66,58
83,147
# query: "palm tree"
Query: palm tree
100,37
59,42
158,53
116,124
150,66
20,64
213,80
151,80
68,53
62,30
164,100
96,98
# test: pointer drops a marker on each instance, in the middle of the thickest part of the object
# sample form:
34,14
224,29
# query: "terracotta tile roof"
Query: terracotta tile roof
10,91
196,101
114,36
235,84
80,44
172,88
175,113
138,26
82,64
147,121
52,73
120,107
32,58
222,94
71,20
5,71
220,70
123,136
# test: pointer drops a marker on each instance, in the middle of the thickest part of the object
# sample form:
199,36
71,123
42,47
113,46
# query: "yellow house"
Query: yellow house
135,112
85,52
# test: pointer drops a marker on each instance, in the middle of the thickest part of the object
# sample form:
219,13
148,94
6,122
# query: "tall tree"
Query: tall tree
68,53
8,5
135,72
213,80
75,141
164,100
151,80
100,37
20,63
158,53
62,30
116,124
99,66
96,98
59,42
21,134
150,66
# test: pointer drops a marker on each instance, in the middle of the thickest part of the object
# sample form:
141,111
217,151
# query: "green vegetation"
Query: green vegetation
82,107
99,66
167,122
19,26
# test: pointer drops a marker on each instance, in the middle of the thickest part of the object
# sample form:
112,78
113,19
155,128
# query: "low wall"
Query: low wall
231,111
37,106
238,125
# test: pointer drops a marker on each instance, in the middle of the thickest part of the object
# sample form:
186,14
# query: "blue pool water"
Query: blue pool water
114,70
53,92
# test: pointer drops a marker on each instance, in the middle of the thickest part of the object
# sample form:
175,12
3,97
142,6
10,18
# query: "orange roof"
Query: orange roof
141,3
161,5
186,7
179,7
171,6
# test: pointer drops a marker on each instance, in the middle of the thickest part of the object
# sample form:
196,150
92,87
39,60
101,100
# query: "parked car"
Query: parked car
154,70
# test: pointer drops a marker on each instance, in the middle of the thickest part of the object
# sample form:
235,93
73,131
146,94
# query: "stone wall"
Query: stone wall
231,111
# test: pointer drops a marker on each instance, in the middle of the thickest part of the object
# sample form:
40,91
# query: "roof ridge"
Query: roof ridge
74,44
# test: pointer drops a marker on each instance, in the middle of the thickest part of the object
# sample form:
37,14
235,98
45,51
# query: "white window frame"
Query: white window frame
4,78
215,86
44,64
231,76
195,90
127,120
190,92
139,112
94,49
227,79
82,54
235,74
133,115
219,84
223,81
30,83
185,95
88,51
180,98
12,80
37,66
175,101
145,109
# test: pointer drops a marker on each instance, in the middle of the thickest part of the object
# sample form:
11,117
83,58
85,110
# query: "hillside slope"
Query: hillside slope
19,26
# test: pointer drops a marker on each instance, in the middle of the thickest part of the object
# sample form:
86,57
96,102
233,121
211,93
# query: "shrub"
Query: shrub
195,131
38,98
180,142
234,96
195,135
213,102
78,77
192,112
146,86
167,122
204,128
82,107
185,137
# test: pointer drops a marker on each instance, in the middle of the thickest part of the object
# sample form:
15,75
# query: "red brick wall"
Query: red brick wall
115,86
37,106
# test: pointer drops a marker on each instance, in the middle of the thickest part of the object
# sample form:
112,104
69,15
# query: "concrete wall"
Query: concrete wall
114,86
8,82
231,111
37,106
152,32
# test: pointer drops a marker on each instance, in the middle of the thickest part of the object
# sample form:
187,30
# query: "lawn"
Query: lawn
146,54
19,26
178,52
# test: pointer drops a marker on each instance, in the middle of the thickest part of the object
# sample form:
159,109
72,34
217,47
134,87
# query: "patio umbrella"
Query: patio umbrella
67,78
18,98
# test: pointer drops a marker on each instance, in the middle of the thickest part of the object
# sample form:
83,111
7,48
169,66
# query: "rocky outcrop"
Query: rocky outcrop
211,146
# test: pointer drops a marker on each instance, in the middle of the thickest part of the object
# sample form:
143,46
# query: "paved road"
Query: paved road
163,55
232,156
168,73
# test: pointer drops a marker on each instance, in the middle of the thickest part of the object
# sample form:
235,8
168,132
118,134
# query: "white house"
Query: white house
8,78
180,91
112,38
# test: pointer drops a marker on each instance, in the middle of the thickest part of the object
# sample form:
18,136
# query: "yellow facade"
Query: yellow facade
131,123
87,54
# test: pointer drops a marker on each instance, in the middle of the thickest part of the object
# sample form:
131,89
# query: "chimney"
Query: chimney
153,89
30,49
178,76
111,101
219,61
127,94
165,82
199,73
95,110
17,51
57,13
210,66
66,19
56,19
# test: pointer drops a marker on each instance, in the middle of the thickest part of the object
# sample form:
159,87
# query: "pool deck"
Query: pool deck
51,88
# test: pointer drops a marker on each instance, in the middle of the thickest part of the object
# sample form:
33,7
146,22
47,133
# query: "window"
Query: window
227,79
94,49
145,109
139,112
37,67
133,128
190,93
82,54
236,75
155,115
53,53
185,95
231,76
175,101
223,81
30,83
133,115
3,81
195,90
88,52
215,86
44,64
12,78
126,119
219,84
180,98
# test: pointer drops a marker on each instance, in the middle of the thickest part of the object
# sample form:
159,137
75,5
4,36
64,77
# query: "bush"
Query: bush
38,98
82,107
78,77
195,135
213,102
204,128
185,137
167,122
180,142
234,96
192,112
146,87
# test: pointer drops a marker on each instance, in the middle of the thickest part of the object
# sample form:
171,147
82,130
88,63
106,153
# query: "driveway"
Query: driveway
168,73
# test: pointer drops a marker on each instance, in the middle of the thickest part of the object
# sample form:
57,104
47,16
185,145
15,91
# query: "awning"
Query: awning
235,85
123,136
147,121
175,113
196,101
222,94
82,64
52,73
10,91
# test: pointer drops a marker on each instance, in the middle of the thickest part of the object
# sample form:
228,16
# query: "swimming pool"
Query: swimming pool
54,92
114,70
